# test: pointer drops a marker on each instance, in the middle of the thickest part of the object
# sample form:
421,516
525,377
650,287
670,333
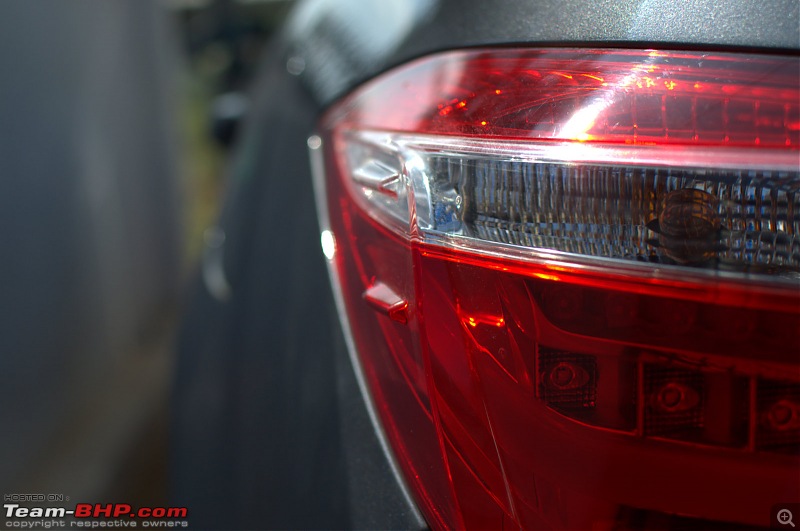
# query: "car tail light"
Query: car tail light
571,280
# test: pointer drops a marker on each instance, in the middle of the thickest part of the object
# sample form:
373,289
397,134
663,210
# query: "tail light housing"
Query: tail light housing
570,282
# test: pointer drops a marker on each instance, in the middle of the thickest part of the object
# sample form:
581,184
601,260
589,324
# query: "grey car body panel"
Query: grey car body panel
333,36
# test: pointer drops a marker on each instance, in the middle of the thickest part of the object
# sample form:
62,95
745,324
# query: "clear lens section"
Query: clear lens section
739,220
730,220
378,175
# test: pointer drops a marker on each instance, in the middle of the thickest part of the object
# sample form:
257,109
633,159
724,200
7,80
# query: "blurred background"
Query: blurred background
116,123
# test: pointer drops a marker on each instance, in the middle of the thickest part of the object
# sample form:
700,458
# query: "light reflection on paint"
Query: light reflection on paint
328,244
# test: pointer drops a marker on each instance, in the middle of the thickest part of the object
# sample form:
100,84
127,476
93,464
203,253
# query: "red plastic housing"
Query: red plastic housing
619,96
549,391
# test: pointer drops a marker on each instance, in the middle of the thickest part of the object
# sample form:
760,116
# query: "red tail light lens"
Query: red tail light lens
572,280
